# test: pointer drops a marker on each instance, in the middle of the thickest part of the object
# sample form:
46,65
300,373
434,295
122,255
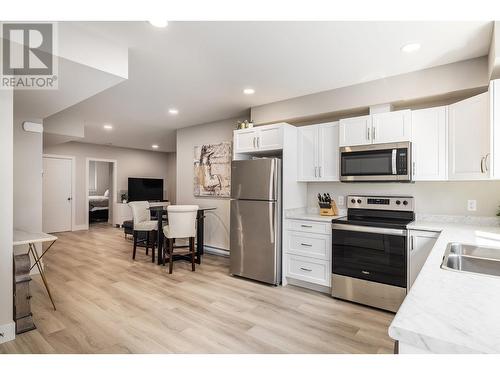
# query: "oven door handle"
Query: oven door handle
377,230
394,166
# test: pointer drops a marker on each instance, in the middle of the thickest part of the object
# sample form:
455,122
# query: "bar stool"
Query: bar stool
143,223
181,224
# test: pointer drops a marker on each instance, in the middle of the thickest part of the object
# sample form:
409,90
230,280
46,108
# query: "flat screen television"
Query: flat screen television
145,189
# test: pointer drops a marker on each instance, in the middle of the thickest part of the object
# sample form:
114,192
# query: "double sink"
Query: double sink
473,259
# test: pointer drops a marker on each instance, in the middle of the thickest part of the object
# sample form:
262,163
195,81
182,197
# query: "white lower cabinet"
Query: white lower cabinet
308,252
421,243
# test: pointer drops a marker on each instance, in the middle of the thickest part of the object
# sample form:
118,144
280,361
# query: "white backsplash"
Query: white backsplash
448,198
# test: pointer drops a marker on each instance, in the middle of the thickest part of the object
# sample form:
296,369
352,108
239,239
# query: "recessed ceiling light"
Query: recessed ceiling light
108,126
248,91
410,47
159,23
155,146
173,111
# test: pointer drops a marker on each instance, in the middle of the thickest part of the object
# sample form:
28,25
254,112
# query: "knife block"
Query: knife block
328,209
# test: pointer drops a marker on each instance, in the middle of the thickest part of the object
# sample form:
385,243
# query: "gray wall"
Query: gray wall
130,163
217,222
433,82
103,176
6,207
437,198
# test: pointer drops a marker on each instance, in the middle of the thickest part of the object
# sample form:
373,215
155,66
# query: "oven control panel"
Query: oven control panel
394,203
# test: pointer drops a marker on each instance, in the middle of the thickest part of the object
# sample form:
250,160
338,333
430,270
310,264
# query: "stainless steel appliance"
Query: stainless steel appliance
382,162
255,235
369,251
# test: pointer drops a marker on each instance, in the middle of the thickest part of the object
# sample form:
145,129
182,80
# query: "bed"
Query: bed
99,207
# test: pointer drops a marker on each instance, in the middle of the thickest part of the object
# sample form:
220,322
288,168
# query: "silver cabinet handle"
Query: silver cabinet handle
486,158
306,269
306,244
319,168
365,272
482,165
411,243
306,226
254,143
258,142
315,171
413,168
373,133
368,133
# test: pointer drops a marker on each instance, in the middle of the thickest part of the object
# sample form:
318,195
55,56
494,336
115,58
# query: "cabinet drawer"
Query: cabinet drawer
312,270
310,226
309,244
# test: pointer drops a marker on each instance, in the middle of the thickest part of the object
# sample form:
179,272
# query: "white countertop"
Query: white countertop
448,311
22,237
311,214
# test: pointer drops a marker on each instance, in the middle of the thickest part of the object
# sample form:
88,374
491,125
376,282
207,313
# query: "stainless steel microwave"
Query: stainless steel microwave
382,162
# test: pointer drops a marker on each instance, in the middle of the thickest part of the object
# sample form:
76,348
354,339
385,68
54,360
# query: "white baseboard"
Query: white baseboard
80,227
7,332
216,251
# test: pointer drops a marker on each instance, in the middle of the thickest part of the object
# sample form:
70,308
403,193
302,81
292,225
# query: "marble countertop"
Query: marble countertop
21,237
448,311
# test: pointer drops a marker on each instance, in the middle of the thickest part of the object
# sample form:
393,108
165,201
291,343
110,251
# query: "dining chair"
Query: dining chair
143,224
181,224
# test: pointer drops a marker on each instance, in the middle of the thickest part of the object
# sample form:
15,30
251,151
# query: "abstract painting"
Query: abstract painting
212,170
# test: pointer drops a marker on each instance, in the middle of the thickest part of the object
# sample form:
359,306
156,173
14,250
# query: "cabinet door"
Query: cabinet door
307,153
469,138
421,244
355,131
270,138
328,152
245,140
429,141
391,126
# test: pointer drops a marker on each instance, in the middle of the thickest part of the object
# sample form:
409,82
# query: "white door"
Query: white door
391,126
328,152
421,244
245,140
270,138
307,153
57,197
469,138
355,131
429,141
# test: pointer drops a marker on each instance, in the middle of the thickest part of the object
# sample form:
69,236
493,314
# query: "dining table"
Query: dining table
161,212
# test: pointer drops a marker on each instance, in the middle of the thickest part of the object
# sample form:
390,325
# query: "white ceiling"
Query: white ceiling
201,68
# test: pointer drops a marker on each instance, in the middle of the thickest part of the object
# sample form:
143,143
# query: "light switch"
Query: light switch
340,200
471,205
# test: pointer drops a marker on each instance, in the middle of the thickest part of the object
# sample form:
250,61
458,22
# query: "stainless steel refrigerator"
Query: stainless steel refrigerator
255,237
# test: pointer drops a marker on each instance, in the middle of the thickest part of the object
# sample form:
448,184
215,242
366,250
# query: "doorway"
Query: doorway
100,191
58,192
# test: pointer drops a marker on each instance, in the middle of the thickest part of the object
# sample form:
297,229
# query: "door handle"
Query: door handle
486,158
306,226
482,166
69,198
306,269
306,244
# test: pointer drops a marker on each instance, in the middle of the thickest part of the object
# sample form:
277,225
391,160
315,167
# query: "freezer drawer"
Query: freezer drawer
255,251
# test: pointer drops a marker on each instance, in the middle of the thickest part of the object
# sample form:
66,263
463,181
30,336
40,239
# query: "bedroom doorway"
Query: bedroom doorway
101,191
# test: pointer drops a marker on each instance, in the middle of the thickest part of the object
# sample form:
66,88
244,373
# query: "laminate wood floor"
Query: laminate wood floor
108,303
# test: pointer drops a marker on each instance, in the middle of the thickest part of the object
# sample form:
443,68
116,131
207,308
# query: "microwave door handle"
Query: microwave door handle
394,154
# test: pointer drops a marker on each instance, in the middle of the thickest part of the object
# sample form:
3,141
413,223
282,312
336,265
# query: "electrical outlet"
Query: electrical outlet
340,200
471,205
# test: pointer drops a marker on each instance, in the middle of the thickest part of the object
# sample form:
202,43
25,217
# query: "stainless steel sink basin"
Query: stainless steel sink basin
471,258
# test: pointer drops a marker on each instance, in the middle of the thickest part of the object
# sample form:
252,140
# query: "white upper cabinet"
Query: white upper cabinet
383,127
390,127
430,144
318,152
469,138
355,131
261,138
308,155
328,152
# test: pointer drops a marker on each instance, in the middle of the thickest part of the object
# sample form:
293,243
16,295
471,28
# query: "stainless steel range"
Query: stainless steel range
369,251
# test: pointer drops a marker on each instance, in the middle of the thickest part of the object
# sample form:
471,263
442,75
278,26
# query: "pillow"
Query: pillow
106,193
